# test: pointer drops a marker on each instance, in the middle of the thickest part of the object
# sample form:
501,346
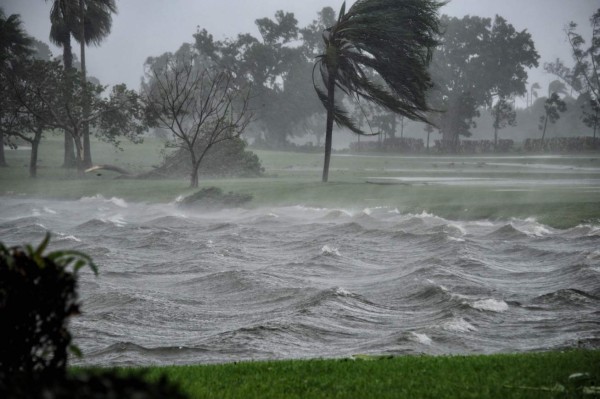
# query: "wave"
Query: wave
567,298
507,232
300,281
100,224
491,305
330,251
459,324
421,338
100,199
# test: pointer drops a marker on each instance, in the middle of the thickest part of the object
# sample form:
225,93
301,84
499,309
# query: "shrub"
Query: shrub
37,297
38,294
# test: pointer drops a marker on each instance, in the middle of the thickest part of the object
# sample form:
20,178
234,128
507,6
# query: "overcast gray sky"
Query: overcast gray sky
144,28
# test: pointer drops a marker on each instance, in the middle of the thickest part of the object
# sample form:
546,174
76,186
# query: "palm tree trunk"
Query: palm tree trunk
544,134
87,151
329,126
69,155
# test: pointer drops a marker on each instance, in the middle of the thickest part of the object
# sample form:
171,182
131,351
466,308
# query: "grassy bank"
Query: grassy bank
294,179
540,375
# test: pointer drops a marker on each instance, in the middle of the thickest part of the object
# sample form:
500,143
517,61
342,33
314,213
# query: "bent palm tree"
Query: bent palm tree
389,39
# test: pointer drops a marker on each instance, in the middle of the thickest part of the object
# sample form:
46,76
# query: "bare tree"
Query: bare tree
201,105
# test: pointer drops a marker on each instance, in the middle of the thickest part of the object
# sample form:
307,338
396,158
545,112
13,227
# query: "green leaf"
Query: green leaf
43,245
342,12
74,349
591,390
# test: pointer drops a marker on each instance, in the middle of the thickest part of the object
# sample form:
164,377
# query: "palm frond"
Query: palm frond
340,115
393,42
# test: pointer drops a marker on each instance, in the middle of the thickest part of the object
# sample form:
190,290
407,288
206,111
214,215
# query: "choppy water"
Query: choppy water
188,287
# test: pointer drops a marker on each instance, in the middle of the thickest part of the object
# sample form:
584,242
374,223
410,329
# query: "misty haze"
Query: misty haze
286,181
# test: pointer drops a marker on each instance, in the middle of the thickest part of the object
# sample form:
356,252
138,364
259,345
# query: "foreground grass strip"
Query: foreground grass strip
539,375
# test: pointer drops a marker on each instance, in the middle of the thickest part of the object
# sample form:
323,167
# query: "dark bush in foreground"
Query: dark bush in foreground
104,385
38,295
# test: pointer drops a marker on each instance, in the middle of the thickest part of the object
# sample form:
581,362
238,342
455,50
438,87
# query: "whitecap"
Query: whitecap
421,338
92,198
491,305
426,214
117,220
118,202
458,227
533,229
594,231
459,325
484,223
327,250
99,197
367,211
456,239
50,211
309,208
342,292
68,237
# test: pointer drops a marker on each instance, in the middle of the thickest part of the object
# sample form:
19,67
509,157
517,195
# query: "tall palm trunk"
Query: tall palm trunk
329,126
69,155
544,133
87,151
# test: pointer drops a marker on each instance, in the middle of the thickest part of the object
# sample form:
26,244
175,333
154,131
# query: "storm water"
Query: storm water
180,287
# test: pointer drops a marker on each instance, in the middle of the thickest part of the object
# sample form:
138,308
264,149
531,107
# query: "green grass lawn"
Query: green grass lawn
294,178
539,375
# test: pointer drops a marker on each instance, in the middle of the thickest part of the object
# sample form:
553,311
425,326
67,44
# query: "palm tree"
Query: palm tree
390,38
88,19
95,21
63,18
14,43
